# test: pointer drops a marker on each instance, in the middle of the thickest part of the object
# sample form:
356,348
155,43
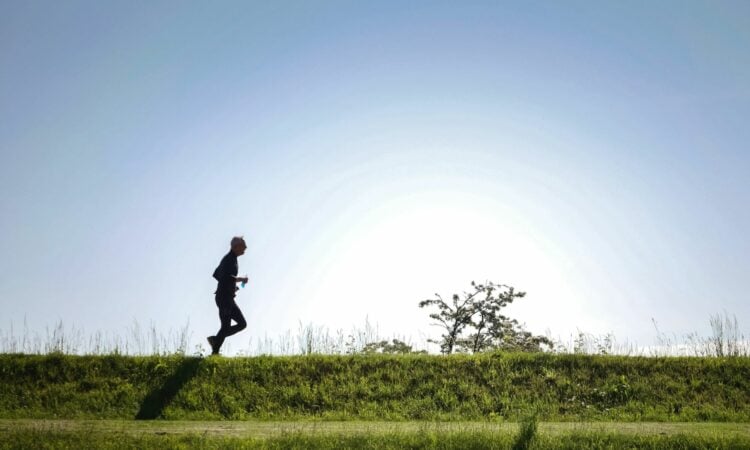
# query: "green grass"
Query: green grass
166,434
266,429
489,387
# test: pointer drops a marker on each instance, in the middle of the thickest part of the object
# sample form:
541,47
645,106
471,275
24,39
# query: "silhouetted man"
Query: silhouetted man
226,275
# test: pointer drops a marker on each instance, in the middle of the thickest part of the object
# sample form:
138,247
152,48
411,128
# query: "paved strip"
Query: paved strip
261,429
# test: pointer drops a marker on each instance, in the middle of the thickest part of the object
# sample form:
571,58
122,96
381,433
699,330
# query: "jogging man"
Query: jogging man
226,275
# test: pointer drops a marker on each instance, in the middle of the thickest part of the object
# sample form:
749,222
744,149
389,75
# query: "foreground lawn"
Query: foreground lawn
63,434
262,429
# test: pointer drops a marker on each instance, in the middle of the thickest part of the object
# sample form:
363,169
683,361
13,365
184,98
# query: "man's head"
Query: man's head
238,245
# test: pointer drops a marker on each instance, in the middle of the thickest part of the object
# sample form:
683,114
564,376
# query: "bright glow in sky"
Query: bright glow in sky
592,154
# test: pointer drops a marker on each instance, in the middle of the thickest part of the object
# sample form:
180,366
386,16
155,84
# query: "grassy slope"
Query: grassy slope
414,387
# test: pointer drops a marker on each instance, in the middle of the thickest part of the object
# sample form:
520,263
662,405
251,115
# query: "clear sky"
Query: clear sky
593,154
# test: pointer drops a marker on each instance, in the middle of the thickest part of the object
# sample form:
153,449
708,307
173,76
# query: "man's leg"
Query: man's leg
227,312
239,318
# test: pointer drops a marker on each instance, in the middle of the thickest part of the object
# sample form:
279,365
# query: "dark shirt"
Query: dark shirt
225,274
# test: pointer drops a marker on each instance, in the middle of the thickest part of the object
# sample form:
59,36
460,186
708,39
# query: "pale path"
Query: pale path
260,429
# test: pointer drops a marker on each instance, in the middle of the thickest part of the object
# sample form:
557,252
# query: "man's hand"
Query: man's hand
242,279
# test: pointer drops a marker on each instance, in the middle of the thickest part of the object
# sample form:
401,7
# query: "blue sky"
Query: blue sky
592,154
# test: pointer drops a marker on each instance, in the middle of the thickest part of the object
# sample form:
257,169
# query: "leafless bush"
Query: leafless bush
72,340
726,340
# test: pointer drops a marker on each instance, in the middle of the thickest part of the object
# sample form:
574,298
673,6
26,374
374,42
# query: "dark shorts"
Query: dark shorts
228,310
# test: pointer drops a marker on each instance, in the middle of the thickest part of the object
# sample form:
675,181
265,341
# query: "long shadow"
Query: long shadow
155,402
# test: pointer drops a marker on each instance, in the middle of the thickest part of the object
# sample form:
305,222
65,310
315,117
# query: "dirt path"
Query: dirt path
267,429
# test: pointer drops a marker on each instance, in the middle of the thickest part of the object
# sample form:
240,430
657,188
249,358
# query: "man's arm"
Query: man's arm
223,273
220,274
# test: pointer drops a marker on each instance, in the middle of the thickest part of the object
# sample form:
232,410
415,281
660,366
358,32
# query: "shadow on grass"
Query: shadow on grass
526,432
155,402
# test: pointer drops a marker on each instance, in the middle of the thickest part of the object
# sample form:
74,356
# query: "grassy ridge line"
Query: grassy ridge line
255,429
377,387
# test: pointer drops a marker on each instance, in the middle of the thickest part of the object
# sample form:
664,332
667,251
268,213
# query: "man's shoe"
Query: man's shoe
212,342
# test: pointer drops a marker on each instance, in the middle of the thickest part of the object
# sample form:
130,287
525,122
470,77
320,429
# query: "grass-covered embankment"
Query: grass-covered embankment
382,387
